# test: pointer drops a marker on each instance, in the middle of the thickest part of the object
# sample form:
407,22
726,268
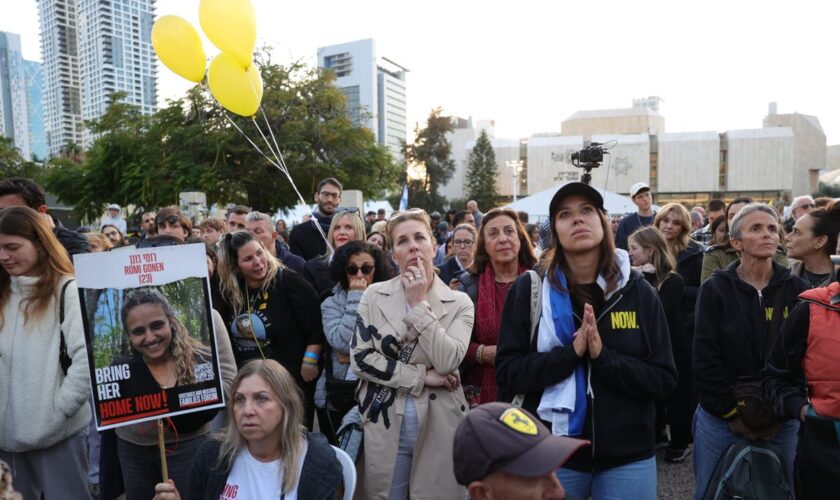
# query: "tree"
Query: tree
192,145
432,151
481,173
12,164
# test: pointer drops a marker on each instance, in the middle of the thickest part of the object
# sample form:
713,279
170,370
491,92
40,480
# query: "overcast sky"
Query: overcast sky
528,65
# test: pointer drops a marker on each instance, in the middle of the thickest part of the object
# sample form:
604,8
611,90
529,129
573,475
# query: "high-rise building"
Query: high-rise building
62,84
13,118
92,48
34,76
375,89
115,54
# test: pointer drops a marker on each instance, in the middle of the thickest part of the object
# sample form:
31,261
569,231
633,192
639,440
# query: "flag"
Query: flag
404,199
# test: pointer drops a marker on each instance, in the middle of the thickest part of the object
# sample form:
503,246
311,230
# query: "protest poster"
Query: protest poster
149,332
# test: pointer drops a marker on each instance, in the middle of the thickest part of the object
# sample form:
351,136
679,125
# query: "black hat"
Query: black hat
572,188
500,437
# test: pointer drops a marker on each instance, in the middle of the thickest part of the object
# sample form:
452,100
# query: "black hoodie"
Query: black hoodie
634,371
732,321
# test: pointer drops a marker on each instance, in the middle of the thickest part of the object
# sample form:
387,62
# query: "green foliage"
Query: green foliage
191,145
12,163
830,190
432,150
481,173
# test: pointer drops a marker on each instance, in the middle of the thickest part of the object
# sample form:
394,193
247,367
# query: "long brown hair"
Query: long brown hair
555,258
481,258
681,215
231,282
292,432
663,262
53,261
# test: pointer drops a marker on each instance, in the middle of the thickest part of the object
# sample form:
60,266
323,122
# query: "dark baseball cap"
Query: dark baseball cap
575,188
501,437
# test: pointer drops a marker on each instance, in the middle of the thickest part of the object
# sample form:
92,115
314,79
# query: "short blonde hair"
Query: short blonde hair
417,214
355,220
101,240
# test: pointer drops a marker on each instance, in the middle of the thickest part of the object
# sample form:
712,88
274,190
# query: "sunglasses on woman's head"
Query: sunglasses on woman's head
348,210
353,270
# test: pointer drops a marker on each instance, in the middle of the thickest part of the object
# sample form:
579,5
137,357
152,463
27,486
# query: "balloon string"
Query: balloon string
288,176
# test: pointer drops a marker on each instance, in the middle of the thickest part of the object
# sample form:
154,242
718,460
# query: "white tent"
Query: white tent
536,205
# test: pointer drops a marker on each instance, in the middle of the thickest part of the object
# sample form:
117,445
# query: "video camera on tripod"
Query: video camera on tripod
588,158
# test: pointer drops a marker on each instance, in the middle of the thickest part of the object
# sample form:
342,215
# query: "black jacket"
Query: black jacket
319,478
72,241
449,270
732,321
634,371
306,241
317,273
292,261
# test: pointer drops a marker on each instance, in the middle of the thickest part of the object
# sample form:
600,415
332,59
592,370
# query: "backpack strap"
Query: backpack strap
63,358
536,310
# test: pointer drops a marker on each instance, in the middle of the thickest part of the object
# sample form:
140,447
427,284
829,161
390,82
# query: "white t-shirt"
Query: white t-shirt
250,479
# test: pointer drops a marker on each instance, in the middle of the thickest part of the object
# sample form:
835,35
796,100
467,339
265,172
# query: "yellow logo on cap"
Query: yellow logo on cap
519,421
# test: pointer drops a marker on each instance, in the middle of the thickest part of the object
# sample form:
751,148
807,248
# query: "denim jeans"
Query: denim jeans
712,437
636,480
141,466
400,484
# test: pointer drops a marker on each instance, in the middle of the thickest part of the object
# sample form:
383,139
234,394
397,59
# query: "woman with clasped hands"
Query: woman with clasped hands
411,335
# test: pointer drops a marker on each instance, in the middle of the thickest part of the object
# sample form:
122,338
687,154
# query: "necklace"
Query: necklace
740,272
815,279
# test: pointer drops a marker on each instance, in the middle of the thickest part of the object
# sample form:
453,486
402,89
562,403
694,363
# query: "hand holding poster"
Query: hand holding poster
149,333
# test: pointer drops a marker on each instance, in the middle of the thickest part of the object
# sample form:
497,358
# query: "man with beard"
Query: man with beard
305,239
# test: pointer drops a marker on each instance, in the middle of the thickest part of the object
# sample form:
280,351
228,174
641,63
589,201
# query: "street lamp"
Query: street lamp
516,169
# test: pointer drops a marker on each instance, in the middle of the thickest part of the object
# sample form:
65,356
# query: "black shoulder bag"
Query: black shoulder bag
63,358
756,412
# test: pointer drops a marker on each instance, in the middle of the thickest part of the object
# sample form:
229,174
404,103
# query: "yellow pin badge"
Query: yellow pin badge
517,420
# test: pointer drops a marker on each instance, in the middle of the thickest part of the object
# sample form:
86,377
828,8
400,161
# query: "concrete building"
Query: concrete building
832,160
14,122
375,90
685,162
34,76
116,55
809,147
636,120
462,140
62,83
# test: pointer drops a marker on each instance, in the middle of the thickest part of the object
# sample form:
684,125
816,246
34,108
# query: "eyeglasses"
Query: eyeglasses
462,243
329,196
171,219
354,270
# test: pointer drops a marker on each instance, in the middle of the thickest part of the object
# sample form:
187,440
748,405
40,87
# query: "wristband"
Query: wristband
311,355
478,354
310,362
731,415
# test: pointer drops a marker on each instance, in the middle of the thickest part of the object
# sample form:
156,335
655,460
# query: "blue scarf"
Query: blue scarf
564,328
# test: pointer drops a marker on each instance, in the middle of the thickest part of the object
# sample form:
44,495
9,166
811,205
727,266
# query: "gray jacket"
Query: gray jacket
338,315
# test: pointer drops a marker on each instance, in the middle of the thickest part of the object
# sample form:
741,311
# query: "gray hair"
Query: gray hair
260,217
735,229
695,216
800,198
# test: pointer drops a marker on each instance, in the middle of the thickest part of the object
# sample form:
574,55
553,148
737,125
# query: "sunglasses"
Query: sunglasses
353,270
171,219
348,210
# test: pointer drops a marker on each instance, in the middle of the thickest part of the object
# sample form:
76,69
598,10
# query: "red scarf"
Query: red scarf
488,318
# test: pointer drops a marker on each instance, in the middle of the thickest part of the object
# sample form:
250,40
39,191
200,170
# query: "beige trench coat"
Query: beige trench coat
442,326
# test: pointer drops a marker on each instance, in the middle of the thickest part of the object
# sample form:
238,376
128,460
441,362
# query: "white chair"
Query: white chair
348,470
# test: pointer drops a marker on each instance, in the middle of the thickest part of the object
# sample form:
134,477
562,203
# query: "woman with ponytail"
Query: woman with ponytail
811,242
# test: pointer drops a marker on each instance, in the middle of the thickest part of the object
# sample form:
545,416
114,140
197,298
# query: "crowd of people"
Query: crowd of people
479,355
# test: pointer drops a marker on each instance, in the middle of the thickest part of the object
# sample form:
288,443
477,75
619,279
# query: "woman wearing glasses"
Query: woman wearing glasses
346,225
412,333
463,243
354,267
503,252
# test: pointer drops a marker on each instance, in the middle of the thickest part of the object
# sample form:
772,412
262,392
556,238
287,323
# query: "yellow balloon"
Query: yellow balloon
232,27
178,46
236,89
